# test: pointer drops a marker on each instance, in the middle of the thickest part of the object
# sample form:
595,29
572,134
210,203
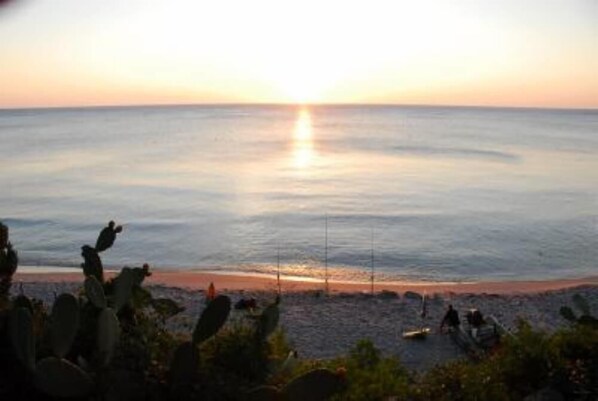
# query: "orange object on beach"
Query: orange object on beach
211,292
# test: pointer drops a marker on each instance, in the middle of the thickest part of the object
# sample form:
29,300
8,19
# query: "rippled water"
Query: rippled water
446,193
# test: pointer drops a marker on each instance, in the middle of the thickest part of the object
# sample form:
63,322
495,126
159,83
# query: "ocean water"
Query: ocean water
434,193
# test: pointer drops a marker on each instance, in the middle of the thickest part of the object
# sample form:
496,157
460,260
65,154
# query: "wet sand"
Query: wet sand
200,280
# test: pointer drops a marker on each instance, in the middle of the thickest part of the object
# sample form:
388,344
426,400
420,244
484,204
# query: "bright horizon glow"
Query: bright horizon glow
541,53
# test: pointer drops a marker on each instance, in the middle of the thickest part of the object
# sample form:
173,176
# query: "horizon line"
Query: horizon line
297,104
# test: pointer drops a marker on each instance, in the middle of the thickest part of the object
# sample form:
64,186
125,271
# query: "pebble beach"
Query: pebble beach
321,324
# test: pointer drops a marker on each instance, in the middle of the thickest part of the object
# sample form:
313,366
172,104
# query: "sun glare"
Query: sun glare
303,145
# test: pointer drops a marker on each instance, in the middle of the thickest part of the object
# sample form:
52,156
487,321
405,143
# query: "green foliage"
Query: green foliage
582,305
568,314
315,385
267,322
371,376
462,380
165,307
576,366
235,358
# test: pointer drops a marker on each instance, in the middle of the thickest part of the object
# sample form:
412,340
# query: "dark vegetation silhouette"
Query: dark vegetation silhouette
109,341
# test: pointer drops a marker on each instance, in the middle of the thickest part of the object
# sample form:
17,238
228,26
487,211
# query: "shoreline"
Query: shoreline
234,281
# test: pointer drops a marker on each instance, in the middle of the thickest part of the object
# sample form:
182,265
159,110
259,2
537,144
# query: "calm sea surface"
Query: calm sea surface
446,193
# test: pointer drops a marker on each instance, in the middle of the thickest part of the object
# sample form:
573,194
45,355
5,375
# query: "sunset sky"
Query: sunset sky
504,53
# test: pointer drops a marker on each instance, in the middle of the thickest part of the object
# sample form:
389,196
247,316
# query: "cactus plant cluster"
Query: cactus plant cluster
66,372
54,375
92,265
79,349
57,375
8,262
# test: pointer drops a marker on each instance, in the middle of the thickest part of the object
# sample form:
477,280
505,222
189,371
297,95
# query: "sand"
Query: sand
321,325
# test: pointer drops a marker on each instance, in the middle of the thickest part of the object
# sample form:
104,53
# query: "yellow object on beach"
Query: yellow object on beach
417,334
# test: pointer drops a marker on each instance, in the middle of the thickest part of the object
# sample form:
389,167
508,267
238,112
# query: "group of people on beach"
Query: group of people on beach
450,319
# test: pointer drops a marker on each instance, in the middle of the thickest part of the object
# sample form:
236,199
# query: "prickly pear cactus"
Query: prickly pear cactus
92,265
95,292
123,288
3,236
107,236
212,319
140,273
184,365
64,323
21,335
62,379
268,321
107,335
8,262
22,301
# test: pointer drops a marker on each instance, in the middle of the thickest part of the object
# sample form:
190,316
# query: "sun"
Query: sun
301,80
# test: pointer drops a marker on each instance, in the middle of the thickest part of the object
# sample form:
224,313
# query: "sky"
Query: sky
534,53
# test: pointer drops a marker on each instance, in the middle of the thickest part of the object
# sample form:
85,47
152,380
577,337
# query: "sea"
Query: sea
348,192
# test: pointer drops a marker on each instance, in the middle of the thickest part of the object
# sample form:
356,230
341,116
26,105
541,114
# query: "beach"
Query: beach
323,324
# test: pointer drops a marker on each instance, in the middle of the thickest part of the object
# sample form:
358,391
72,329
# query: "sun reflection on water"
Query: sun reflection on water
303,144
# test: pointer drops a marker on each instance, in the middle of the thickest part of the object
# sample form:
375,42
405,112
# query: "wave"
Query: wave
458,152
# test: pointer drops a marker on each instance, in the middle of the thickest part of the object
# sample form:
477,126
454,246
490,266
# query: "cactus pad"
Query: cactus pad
212,319
184,364
21,335
92,265
107,237
123,288
95,292
3,236
65,322
23,301
62,379
108,334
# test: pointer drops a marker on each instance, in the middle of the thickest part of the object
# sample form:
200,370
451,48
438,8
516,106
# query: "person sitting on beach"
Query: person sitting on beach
451,318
